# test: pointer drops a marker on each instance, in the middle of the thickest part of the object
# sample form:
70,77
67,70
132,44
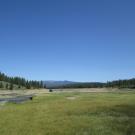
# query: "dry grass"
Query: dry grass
87,90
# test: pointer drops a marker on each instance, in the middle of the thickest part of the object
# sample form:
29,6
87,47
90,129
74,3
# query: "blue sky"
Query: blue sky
77,40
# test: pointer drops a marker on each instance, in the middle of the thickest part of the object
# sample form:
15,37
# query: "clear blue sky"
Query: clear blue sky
77,40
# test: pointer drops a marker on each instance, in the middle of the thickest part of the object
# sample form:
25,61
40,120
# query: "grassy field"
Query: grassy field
71,114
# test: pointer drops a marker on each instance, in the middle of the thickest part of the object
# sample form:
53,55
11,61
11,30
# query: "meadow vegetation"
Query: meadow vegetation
71,114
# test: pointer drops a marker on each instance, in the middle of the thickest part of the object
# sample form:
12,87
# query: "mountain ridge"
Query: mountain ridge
53,83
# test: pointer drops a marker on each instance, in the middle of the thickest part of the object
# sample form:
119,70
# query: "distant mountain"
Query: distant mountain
53,84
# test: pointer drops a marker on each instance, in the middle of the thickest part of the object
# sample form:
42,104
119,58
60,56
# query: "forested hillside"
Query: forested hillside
129,83
11,83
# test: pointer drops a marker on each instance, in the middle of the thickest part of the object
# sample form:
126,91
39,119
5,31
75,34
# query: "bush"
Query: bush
50,90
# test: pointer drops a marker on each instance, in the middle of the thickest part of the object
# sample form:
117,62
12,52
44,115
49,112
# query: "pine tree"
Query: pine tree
28,86
19,86
7,86
1,85
11,86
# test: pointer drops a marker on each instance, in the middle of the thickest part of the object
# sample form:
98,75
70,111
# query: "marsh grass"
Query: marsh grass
54,114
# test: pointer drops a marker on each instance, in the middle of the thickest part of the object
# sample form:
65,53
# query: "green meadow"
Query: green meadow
71,114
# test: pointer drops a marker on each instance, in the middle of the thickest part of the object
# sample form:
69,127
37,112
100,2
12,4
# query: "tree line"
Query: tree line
19,82
129,83
80,85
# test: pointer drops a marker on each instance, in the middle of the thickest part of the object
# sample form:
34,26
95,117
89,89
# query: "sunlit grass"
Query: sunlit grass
85,114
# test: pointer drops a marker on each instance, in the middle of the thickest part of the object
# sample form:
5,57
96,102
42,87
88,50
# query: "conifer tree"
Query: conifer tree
11,86
1,85
7,86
